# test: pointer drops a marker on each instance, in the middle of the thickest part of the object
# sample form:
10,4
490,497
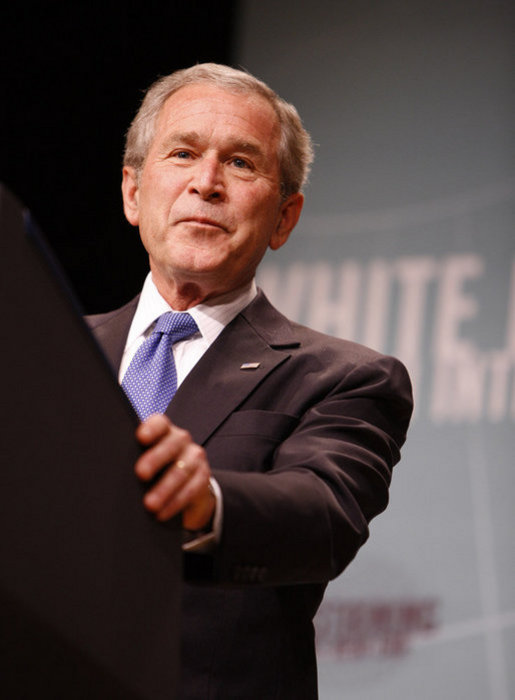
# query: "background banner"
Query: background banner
407,244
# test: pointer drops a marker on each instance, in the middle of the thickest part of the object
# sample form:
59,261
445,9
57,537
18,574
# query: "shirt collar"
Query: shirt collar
211,316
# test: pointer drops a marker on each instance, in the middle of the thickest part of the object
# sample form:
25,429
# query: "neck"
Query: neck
183,295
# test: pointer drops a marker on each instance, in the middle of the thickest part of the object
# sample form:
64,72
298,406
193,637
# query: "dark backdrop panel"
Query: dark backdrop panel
72,78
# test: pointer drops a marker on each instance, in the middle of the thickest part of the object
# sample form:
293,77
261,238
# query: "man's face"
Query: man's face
208,200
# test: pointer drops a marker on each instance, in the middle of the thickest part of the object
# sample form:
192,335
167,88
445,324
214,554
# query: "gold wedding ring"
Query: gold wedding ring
180,464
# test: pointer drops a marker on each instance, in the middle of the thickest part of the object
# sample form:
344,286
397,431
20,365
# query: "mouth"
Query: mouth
204,222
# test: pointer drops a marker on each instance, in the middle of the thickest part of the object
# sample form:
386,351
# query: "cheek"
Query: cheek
153,212
160,189
261,209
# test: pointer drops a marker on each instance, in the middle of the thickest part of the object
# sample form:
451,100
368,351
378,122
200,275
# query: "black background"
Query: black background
73,76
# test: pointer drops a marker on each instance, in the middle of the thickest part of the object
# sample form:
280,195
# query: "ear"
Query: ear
130,193
289,214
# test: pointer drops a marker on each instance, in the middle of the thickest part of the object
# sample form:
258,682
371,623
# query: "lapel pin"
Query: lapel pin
250,365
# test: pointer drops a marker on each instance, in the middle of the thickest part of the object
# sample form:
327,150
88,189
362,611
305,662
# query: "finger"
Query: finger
182,466
192,460
194,499
168,448
199,513
153,428
172,493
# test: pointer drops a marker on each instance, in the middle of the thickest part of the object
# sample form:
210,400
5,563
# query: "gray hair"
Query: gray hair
295,146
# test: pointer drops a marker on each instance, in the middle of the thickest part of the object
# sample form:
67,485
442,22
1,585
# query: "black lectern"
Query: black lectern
89,582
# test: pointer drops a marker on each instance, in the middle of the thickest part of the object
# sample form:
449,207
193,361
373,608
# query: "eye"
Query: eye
182,155
240,163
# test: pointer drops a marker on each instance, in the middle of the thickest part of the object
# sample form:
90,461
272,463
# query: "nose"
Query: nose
207,180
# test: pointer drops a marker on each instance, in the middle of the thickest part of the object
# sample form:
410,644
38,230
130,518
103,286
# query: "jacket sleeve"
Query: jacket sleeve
304,517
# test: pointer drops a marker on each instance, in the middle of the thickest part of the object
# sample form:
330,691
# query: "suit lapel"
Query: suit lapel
259,336
111,331
222,379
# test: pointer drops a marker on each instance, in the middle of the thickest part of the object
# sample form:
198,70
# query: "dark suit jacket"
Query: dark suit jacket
303,448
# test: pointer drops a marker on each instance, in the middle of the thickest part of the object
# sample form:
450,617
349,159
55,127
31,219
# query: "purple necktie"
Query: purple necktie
150,381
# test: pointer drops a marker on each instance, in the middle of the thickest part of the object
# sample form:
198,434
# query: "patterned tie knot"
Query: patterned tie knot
177,325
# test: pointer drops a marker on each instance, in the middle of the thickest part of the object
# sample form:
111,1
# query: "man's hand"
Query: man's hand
183,469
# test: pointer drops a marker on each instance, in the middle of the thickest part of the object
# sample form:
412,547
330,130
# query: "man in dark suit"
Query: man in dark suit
278,447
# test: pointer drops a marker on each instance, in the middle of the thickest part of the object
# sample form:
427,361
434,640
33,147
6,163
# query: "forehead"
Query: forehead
219,110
